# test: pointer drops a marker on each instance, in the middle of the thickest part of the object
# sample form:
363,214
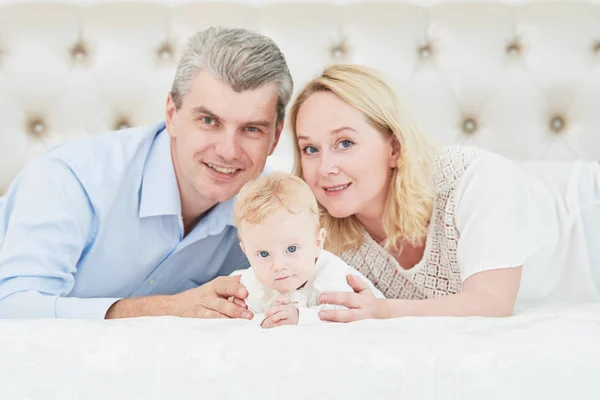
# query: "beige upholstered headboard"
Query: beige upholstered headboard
518,77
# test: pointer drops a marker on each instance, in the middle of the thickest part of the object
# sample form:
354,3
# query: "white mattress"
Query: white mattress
545,353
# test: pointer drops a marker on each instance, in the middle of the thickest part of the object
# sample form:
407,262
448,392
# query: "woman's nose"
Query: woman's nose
328,165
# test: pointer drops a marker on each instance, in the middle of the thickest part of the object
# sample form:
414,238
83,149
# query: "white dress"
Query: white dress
490,213
330,276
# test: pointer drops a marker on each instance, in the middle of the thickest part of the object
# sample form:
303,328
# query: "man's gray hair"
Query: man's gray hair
243,59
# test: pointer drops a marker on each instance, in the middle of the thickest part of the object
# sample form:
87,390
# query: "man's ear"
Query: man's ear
171,115
321,238
278,130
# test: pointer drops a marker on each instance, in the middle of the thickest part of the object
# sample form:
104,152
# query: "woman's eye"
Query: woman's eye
346,143
263,254
309,150
292,249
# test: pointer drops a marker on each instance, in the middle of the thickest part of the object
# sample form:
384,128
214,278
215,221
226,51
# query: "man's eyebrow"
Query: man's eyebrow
261,122
204,110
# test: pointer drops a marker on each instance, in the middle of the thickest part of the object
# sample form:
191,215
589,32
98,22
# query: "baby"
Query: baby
278,225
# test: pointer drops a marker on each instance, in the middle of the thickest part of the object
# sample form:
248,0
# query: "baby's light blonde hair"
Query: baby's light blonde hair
411,193
269,193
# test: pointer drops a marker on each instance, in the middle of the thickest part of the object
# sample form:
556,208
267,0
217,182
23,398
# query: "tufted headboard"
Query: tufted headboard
521,78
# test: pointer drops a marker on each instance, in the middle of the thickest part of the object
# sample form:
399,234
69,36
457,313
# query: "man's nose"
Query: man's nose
228,146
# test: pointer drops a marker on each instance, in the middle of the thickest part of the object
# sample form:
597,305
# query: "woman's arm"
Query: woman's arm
486,294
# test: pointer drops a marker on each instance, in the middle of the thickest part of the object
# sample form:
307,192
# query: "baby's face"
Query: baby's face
283,248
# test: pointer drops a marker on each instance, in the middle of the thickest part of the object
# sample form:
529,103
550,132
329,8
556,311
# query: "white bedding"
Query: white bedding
544,353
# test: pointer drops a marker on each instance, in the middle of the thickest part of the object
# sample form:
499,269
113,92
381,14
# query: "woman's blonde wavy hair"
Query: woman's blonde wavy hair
411,192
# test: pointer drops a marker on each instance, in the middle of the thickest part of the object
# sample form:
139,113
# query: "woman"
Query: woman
446,231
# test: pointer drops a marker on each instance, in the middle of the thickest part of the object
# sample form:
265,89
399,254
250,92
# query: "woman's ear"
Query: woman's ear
321,238
395,151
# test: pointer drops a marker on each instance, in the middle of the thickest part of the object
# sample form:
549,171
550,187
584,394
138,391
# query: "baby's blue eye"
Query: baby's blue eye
263,254
292,249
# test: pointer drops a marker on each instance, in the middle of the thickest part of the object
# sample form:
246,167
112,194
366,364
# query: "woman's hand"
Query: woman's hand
361,304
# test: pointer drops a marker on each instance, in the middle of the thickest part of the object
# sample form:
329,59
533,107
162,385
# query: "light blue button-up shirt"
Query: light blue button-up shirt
96,220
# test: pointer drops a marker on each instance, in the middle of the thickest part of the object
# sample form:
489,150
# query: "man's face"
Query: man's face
220,138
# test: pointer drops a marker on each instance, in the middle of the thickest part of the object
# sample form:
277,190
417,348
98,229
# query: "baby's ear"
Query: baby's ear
321,238
242,247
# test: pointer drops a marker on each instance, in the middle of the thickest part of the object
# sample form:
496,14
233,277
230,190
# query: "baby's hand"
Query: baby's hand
282,313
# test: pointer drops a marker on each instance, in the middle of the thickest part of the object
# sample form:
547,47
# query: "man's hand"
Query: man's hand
211,300
207,301
282,313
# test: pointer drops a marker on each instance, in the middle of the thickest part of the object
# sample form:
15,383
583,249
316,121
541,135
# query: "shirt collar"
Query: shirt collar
159,190
218,218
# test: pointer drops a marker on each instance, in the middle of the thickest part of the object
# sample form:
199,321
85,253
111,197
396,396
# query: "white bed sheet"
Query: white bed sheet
544,353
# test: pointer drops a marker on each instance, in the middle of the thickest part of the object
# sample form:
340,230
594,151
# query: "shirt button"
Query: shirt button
152,282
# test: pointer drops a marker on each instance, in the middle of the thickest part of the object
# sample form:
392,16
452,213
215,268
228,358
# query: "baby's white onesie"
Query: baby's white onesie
330,276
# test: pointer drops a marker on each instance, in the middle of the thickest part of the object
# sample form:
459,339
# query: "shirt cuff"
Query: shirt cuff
308,316
78,308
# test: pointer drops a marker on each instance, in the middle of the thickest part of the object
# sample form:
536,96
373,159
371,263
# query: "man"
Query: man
140,222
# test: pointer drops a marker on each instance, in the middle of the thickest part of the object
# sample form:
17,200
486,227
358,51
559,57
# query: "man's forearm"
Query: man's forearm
32,304
151,306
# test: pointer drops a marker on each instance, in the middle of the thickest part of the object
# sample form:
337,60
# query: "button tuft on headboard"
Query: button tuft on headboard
557,124
165,52
339,51
122,123
514,47
595,47
469,126
79,52
36,126
425,51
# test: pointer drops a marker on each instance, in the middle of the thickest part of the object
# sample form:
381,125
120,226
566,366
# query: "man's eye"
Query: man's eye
207,120
263,254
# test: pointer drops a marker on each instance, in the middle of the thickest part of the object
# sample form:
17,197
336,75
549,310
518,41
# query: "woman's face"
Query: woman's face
346,161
